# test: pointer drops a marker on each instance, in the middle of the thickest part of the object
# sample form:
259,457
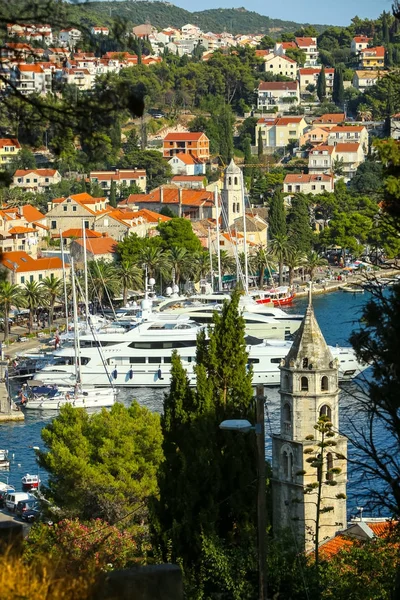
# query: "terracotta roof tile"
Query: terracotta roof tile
77,233
102,245
25,263
185,136
335,545
15,230
9,142
330,118
278,85
350,147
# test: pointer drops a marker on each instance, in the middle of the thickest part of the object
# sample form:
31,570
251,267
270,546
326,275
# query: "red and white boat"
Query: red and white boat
279,296
30,482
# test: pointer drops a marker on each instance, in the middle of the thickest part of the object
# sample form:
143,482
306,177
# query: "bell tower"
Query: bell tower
232,195
308,390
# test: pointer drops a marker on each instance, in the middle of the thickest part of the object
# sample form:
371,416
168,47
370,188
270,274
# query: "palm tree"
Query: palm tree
179,260
294,259
259,262
228,263
312,261
52,287
130,277
155,259
10,295
103,280
281,247
201,265
34,296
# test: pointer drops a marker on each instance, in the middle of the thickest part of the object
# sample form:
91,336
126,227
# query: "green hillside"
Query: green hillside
164,14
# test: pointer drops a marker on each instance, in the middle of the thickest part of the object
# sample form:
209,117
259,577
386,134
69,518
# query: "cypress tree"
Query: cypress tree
260,144
248,159
338,88
321,85
277,216
299,226
208,477
389,56
113,194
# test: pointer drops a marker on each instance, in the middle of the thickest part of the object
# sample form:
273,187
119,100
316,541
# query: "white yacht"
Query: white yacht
141,357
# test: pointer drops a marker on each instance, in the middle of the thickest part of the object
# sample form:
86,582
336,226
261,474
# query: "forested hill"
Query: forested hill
164,14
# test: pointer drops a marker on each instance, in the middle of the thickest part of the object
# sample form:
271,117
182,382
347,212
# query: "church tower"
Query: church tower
232,195
308,390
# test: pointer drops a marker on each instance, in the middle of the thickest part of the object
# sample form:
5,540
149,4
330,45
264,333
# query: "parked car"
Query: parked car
31,515
13,498
25,505
4,490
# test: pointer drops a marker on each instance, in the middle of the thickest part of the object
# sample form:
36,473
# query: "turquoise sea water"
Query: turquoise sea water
337,314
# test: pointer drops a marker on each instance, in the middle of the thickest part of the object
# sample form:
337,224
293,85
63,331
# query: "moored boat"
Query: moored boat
30,482
4,462
278,296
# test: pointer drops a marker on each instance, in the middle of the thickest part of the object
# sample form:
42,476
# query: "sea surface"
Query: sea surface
338,315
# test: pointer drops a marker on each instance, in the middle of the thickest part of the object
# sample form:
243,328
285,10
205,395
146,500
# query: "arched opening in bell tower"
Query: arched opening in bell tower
304,384
324,384
325,411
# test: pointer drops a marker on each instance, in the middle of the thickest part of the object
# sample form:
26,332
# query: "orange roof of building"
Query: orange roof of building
20,229
315,71
21,262
77,233
9,142
347,128
362,39
149,215
267,121
171,195
303,178
349,147
377,51
30,68
287,45
322,148
117,175
288,120
335,545
102,245
185,136
330,118
304,42
188,159
41,172
382,528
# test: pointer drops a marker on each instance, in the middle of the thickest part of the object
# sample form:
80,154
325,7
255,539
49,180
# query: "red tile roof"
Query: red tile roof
15,230
102,245
184,136
335,545
188,178
303,178
322,148
315,71
347,128
362,39
9,142
41,172
377,51
118,175
288,120
30,68
149,215
287,45
278,85
171,196
23,263
330,118
304,42
350,147
188,159
77,233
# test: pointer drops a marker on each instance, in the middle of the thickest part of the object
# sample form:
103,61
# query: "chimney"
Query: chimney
161,194
180,192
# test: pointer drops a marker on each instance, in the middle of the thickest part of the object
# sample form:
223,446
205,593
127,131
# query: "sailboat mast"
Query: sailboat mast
246,262
85,272
216,201
211,260
64,280
76,328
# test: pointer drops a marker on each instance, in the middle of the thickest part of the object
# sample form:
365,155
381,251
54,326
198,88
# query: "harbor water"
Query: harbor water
338,315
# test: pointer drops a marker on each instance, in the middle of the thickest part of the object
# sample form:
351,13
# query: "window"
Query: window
313,187
22,279
65,208
287,413
234,207
28,181
54,224
289,187
46,179
329,467
305,363
236,180
325,411
40,277
304,384
86,224
322,187
31,278
74,209
237,207
285,464
229,180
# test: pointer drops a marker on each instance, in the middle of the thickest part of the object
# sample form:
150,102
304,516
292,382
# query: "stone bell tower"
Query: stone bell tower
308,390
232,195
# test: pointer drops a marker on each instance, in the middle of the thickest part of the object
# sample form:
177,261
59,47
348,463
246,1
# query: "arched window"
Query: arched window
286,382
285,458
233,207
304,384
229,180
236,180
287,413
305,363
291,470
238,207
325,411
329,466
324,384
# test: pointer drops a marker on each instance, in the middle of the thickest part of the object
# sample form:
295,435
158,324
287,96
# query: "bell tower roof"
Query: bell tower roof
309,346
232,168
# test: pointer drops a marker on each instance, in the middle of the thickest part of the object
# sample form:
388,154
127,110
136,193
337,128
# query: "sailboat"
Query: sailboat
78,396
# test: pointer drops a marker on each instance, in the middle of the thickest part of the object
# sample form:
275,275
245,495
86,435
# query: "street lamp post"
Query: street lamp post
244,426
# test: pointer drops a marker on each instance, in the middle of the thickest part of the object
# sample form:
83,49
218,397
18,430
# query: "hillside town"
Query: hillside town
199,305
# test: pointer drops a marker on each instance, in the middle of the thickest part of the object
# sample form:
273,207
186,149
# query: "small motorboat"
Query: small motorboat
279,296
4,462
30,482
352,289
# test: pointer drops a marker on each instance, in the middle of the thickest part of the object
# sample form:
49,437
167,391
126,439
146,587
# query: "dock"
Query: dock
8,410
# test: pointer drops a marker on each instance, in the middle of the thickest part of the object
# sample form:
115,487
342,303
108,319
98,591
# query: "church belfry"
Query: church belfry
232,195
308,390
